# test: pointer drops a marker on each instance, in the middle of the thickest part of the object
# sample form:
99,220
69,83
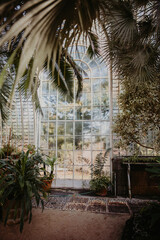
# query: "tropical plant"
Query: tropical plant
48,168
20,182
99,180
130,30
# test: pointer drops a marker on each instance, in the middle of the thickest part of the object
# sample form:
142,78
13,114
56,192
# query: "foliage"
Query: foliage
99,183
20,182
130,32
7,150
144,225
139,117
49,162
99,180
140,159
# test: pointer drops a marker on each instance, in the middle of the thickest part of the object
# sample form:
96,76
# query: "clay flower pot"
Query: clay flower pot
47,185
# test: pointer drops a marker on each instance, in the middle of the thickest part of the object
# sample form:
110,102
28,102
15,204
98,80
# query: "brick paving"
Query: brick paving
75,201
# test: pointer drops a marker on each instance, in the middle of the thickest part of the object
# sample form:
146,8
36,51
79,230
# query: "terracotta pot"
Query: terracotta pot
10,220
102,192
47,185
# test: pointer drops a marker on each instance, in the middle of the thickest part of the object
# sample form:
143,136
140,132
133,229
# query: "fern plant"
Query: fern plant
99,180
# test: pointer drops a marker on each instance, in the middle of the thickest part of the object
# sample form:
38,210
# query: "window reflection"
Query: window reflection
78,142
78,128
69,128
52,128
61,113
61,128
87,128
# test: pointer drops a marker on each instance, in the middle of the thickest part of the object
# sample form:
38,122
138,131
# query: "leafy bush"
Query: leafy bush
144,225
99,180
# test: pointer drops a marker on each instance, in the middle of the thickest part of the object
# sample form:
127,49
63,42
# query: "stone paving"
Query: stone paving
75,201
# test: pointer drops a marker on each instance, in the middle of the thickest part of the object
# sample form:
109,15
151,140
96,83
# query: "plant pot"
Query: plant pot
11,220
102,192
47,185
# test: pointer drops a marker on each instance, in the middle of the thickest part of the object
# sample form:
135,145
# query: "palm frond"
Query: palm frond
46,26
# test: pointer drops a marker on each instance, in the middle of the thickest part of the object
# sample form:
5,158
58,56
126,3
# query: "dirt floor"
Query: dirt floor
55,224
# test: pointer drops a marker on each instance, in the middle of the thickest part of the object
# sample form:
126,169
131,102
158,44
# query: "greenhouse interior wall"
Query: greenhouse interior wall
72,131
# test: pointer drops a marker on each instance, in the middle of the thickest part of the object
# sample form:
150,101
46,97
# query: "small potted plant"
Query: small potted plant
48,170
100,182
20,182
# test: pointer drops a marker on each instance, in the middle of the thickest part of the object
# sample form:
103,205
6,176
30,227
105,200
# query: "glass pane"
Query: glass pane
87,128
61,128
78,142
61,99
52,142
44,129
87,143
87,113
103,71
105,142
104,84
86,157
104,113
81,49
78,128
86,86
78,113
52,101
60,142
44,143
86,99
96,99
45,101
86,59
95,72
69,128
96,143
78,158
52,128
86,172
96,113
105,128
45,113
93,64
60,159
69,143
78,172
69,113
104,98
53,91
78,55
84,66
61,113
52,114
96,85
45,88
96,128
68,159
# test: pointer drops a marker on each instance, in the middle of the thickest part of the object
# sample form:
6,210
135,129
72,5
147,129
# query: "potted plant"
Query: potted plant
20,182
100,182
48,169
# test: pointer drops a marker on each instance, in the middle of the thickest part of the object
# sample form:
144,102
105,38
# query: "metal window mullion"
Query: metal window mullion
56,132
111,114
91,82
